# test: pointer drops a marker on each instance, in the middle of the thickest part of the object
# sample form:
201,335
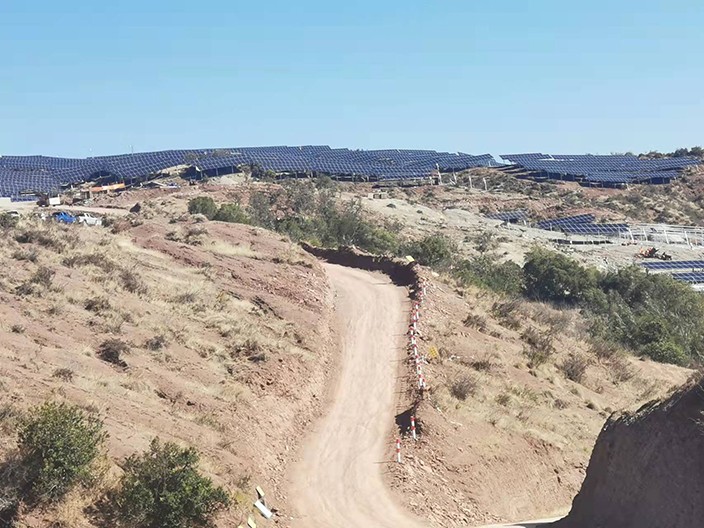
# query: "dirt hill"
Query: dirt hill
226,331
646,469
503,440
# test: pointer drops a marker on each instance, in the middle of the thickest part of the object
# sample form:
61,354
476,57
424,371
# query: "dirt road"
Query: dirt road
338,483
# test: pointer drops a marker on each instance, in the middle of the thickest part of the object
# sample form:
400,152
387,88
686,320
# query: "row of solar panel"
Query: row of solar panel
25,174
673,265
613,170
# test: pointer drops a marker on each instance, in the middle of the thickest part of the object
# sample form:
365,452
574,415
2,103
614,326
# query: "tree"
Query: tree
58,443
162,488
204,205
550,276
261,210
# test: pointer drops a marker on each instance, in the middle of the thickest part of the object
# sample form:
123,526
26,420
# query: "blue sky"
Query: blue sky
81,78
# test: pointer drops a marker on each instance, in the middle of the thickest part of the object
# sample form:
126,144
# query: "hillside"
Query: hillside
226,330
232,348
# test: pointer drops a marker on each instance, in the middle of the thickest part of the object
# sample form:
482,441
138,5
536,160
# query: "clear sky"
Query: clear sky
81,78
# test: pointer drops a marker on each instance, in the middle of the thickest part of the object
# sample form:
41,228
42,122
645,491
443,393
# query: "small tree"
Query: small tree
58,443
204,205
553,277
231,213
163,488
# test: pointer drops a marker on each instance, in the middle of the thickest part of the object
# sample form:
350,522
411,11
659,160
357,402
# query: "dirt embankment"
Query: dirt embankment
401,273
646,469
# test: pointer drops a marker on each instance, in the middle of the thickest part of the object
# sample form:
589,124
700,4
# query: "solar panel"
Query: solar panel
673,265
690,278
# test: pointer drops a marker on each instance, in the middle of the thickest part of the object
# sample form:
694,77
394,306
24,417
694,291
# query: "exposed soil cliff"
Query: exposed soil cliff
646,469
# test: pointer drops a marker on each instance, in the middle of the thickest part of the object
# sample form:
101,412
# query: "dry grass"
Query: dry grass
463,387
574,367
539,346
508,313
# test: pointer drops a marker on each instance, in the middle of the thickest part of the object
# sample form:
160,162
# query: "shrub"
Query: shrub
553,277
131,282
506,312
486,272
204,205
155,343
476,321
99,260
42,237
433,250
8,221
574,367
58,443
231,213
463,387
620,369
666,352
539,346
112,350
43,277
64,374
163,488
97,305
485,242
31,255
17,329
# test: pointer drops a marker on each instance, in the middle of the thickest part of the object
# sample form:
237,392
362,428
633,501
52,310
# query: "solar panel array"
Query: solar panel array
674,265
690,278
557,223
583,224
20,175
613,170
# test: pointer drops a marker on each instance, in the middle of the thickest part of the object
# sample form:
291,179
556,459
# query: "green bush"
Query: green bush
652,314
58,443
550,276
433,250
486,272
666,352
231,213
204,205
162,488
8,221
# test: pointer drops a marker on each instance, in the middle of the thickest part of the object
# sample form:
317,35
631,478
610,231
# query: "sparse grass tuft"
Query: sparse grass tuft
17,329
64,374
574,367
476,321
506,312
463,387
156,343
132,282
97,305
112,350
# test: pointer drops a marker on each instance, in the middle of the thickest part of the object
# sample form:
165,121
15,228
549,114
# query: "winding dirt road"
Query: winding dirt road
338,483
